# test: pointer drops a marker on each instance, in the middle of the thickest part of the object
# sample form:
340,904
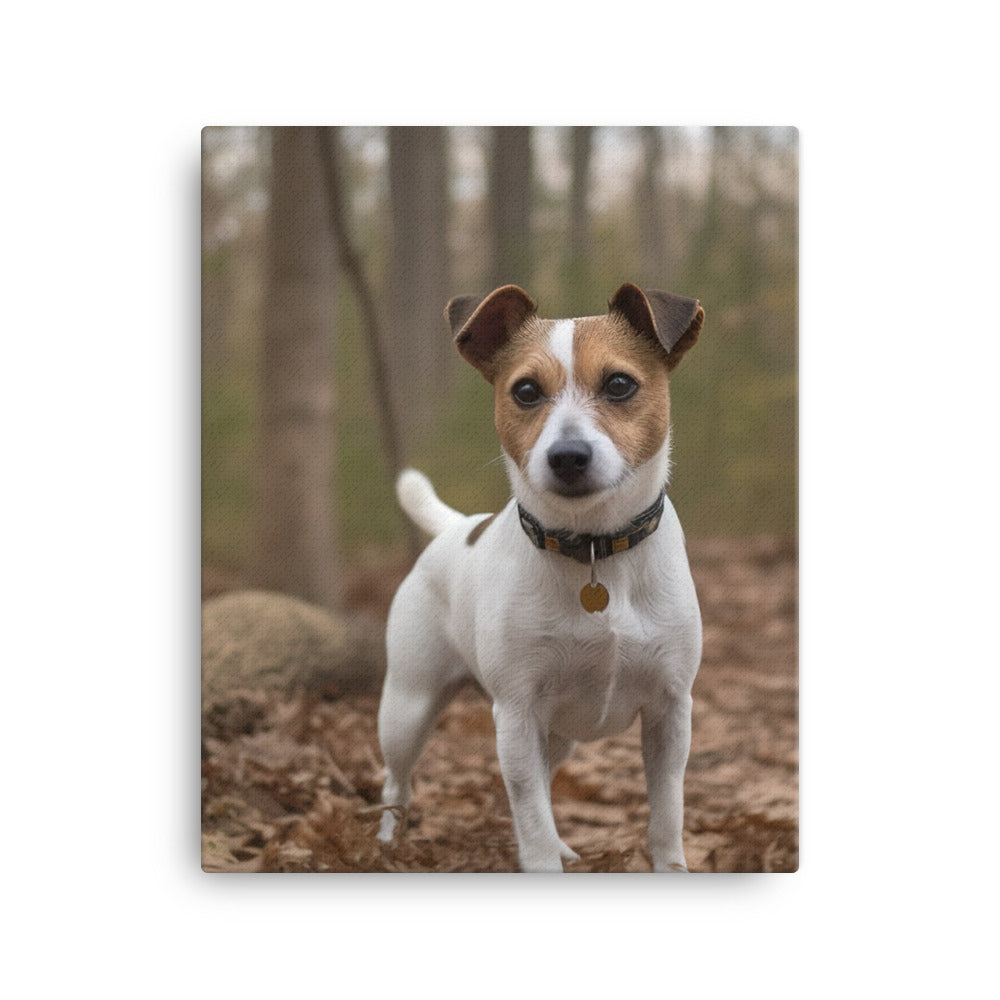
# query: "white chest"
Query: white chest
516,619
587,675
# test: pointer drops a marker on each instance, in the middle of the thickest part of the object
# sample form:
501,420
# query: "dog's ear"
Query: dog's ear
459,309
673,320
483,327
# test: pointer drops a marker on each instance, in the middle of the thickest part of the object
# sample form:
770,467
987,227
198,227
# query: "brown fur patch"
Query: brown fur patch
492,322
526,355
605,345
602,345
479,529
687,341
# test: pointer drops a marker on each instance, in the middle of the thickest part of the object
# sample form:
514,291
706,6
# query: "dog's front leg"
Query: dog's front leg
666,740
522,749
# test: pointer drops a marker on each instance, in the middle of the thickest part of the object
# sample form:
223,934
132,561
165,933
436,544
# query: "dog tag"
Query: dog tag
594,597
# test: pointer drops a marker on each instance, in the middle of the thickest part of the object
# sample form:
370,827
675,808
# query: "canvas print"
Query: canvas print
499,499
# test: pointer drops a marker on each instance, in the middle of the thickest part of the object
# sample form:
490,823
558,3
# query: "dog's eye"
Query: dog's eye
527,392
620,386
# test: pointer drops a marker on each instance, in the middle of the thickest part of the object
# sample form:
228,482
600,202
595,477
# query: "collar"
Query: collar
578,547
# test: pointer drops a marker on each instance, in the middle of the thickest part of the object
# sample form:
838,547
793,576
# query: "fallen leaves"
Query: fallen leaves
289,779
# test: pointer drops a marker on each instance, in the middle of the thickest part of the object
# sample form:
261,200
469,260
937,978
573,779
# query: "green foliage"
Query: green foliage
227,484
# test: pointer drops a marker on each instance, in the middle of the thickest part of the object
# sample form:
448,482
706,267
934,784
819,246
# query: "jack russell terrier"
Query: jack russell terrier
573,607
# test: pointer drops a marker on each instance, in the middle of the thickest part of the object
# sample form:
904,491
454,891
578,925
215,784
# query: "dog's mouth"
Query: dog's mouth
574,490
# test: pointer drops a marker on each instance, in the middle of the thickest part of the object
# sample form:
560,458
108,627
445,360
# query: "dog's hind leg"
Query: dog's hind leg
423,674
405,720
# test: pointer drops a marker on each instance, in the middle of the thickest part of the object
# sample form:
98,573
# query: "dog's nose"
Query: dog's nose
569,460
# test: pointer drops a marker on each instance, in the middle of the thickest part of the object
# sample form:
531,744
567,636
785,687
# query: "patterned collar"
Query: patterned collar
578,547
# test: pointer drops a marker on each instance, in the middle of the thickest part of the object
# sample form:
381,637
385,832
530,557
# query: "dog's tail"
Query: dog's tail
421,503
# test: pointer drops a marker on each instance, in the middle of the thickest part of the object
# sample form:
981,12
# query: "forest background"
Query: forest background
326,363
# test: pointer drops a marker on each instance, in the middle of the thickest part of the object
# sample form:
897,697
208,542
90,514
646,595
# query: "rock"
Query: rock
267,640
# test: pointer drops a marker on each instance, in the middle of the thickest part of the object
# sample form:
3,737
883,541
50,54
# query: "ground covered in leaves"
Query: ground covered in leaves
290,779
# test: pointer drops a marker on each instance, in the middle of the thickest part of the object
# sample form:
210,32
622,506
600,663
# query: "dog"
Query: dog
573,607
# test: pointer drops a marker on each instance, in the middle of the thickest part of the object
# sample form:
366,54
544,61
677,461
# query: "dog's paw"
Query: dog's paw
549,859
541,866
393,821
567,853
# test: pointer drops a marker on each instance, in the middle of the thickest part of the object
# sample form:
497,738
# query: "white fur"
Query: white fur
561,344
509,615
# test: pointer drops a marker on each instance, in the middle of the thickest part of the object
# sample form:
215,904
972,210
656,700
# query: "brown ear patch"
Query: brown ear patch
490,325
459,309
673,320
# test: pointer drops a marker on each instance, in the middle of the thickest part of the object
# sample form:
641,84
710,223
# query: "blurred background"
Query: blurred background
329,253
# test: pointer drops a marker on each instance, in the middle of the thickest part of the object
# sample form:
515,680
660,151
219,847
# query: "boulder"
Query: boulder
260,639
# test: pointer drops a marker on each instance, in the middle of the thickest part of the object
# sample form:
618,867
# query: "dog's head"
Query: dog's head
581,405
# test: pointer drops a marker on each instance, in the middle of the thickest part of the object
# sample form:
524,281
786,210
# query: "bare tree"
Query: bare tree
295,526
216,286
577,278
419,352
651,225
331,155
510,177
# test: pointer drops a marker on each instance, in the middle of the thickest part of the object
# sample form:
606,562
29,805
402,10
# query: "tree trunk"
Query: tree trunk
577,279
296,553
331,156
651,221
510,206
419,351
216,276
